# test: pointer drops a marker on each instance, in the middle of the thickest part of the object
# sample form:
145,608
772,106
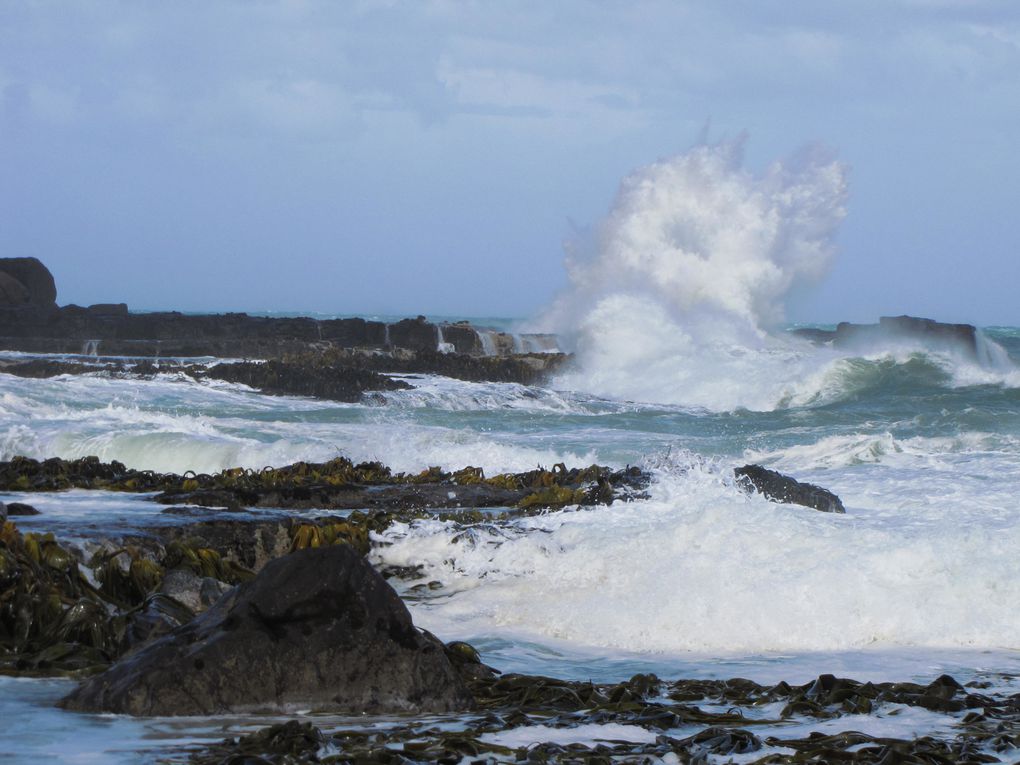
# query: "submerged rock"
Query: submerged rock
777,487
315,629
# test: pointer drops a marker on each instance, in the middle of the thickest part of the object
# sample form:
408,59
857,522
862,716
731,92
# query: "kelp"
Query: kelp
338,483
513,702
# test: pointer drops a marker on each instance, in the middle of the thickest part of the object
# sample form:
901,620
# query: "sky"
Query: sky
433,156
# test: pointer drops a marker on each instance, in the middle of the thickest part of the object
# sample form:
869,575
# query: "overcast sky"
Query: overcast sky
433,157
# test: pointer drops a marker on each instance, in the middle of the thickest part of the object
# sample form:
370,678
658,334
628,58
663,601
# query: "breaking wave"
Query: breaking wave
681,297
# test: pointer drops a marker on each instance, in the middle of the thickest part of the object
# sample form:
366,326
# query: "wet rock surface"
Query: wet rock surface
523,368
337,484
318,628
307,378
777,487
338,374
729,718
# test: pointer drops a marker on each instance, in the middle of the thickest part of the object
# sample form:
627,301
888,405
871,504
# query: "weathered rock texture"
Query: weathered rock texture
316,629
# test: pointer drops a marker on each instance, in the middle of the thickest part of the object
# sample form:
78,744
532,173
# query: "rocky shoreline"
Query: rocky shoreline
178,599
171,619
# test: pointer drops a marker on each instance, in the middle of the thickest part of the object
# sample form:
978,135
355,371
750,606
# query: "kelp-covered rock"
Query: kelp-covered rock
781,488
318,628
337,484
721,720
52,620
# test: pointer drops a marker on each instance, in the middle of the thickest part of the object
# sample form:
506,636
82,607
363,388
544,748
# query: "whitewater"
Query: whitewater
683,365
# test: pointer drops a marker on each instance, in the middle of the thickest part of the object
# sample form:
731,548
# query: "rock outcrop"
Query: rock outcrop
777,487
36,280
315,629
960,338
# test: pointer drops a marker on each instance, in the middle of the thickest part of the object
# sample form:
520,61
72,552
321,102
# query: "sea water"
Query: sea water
681,367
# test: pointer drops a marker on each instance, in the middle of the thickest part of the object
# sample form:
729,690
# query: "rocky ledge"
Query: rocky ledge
335,375
31,321
959,338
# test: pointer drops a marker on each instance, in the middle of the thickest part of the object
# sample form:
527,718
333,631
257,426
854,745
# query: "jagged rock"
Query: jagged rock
777,487
36,278
315,629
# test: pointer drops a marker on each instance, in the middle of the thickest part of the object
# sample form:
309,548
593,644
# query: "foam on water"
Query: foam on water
179,425
699,567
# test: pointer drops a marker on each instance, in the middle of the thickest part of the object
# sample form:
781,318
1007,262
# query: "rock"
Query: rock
780,488
3,513
415,334
194,591
306,378
108,309
12,292
36,278
961,338
158,616
20,508
315,629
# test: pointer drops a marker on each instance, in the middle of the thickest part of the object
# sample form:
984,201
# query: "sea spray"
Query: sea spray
702,566
691,270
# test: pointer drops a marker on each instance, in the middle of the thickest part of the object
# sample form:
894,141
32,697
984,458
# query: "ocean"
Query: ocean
918,578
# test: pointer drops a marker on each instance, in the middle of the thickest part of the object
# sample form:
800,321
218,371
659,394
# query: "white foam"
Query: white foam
701,567
175,426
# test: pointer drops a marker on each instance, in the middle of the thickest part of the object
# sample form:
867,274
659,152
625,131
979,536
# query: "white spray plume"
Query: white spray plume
697,255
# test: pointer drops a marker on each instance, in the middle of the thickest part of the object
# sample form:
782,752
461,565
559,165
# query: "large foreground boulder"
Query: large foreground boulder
317,629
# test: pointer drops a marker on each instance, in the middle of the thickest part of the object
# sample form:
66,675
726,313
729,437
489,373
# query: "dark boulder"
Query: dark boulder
781,488
315,629
36,278
20,508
